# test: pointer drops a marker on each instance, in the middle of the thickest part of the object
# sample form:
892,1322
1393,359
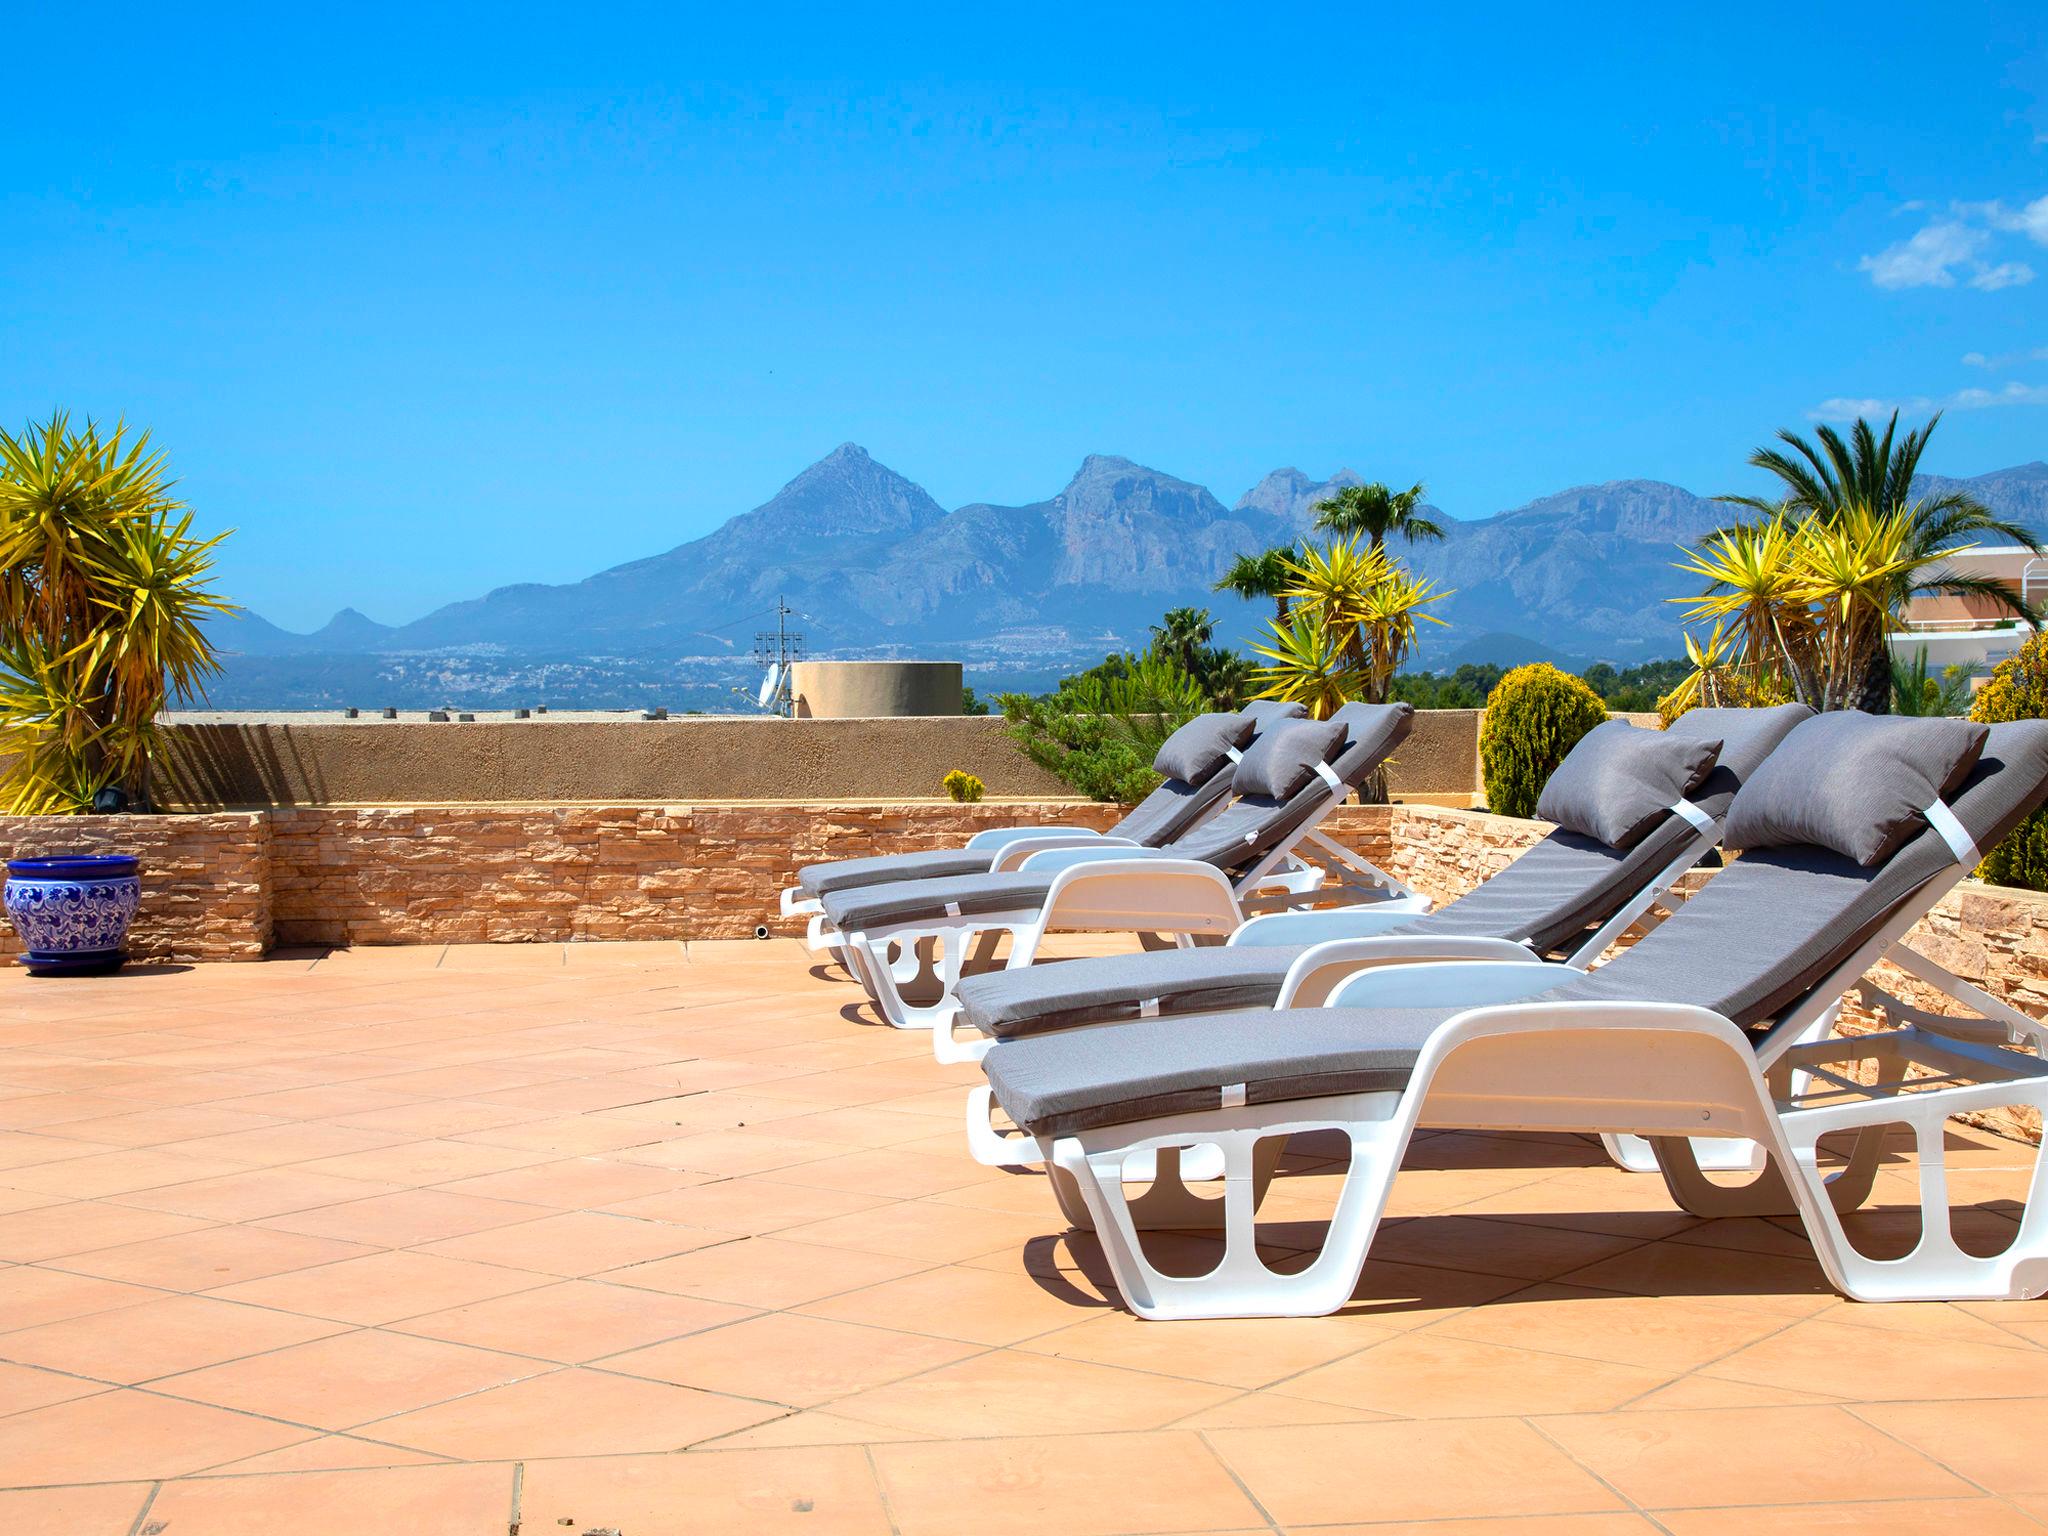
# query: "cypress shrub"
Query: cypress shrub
1535,715
2018,690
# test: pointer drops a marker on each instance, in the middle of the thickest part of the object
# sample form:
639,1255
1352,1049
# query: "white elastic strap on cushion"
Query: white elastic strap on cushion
1233,754
1700,819
952,909
1959,841
1329,776
1148,1007
1232,1096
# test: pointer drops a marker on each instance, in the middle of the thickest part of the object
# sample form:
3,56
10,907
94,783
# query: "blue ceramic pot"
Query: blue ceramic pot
72,911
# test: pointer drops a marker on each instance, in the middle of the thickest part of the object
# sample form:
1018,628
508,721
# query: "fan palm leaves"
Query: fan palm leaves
1181,634
1373,511
1262,575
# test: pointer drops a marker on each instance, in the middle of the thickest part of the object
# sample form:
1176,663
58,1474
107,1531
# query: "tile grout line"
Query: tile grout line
867,1451
1242,1486
141,1515
1532,1423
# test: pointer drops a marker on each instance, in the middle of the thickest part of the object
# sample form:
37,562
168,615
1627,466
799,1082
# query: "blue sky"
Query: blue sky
423,305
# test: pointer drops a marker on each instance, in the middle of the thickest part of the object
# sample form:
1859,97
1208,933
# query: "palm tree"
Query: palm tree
1181,634
1375,511
1873,476
1262,575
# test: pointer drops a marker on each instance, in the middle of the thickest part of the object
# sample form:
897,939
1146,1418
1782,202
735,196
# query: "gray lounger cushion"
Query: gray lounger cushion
850,874
1103,988
1758,938
959,896
1202,746
1285,759
1854,783
1620,780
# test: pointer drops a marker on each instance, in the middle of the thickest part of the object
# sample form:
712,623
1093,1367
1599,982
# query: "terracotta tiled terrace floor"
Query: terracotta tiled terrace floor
661,1239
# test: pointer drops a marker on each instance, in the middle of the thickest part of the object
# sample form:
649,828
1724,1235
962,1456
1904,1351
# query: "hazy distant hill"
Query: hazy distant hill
871,561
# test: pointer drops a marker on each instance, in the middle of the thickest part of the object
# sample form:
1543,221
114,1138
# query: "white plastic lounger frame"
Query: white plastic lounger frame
1666,1071
1582,1080
1093,890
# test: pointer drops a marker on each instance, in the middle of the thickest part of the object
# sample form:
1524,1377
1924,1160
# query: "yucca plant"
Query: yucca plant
103,603
1367,602
1307,664
1870,476
1800,601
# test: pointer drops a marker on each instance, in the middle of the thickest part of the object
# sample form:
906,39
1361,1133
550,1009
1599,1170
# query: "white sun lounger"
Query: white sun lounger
1196,885
1170,810
1705,1028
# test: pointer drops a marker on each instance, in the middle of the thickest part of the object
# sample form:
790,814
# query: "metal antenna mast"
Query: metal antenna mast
777,651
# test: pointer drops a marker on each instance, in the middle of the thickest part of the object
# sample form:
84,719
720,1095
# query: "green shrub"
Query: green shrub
1101,730
1535,715
965,788
2018,690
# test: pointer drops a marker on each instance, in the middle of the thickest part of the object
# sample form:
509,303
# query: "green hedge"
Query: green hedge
1535,715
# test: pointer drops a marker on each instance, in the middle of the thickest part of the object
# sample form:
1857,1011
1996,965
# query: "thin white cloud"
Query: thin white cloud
2005,359
1957,245
1848,408
1924,260
2007,274
2030,219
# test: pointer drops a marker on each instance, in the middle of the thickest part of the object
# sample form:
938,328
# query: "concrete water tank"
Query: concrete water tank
864,690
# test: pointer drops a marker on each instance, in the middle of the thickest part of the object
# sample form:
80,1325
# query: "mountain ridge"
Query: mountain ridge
870,559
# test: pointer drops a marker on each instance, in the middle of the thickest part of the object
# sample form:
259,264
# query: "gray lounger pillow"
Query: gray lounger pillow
1621,780
1853,783
1195,751
1284,759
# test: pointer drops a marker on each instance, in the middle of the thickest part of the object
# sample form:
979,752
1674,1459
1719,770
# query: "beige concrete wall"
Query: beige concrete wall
1440,757
862,690
688,759
693,758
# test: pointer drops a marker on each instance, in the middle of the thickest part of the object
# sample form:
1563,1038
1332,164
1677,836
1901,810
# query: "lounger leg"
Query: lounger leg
1768,1195
878,975
1168,1205
1241,1284
1938,1269
1714,1154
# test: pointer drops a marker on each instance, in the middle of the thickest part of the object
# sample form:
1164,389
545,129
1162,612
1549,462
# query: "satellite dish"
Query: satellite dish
771,685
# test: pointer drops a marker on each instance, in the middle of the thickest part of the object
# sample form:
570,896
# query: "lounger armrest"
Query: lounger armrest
1050,861
1011,855
1451,983
1319,927
994,838
1322,968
